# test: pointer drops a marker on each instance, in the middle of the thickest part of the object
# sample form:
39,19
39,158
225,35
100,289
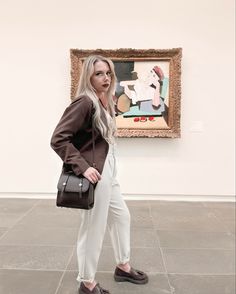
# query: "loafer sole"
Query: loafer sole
131,280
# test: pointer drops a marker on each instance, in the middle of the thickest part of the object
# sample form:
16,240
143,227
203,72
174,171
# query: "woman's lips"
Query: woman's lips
105,85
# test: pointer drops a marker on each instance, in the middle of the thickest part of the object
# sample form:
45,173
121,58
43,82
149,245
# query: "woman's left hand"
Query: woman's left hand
92,175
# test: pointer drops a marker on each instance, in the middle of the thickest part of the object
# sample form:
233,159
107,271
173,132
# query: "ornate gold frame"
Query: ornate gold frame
171,56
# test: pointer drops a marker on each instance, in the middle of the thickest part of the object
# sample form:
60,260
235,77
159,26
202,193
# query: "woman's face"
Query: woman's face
101,77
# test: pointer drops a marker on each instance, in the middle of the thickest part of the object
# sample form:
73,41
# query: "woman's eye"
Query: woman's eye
101,74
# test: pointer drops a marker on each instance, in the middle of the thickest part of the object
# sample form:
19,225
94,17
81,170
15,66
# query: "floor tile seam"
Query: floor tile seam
134,247
31,269
40,201
7,230
228,229
36,245
43,227
229,211
228,234
59,282
62,269
231,206
143,227
157,237
200,212
204,204
19,219
221,221
64,272
169,275
201,274
150,211
188,249
177,207
35,227
153,224
217,202
51,212
158,243
25,205
111,272
148,229
165,267
70,258
157,228
189,231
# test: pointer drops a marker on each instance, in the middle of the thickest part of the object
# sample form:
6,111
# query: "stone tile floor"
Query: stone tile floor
185,247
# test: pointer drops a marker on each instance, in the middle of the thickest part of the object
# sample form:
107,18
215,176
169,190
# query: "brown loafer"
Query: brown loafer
134,276
96,290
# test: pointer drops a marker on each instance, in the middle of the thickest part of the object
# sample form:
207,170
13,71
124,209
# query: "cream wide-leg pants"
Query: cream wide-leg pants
109,209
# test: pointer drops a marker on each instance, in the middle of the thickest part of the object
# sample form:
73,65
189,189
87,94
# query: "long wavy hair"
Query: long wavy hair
85,88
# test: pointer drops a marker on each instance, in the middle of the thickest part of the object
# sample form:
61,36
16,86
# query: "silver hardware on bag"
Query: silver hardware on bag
80,184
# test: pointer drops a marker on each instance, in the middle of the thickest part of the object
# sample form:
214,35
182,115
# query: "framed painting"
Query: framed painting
148,89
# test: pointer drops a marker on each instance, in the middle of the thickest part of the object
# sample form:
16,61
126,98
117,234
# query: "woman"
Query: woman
72,141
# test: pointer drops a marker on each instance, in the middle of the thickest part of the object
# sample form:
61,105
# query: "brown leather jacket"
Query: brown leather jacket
72,137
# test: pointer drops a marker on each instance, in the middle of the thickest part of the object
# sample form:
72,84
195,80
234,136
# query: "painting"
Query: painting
148,89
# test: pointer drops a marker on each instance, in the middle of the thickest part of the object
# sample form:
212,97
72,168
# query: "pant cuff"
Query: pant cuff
123,261
84,279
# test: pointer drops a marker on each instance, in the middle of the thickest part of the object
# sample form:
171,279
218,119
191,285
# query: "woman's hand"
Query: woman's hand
92,175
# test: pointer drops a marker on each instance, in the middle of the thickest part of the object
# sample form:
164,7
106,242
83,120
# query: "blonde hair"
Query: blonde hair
85,88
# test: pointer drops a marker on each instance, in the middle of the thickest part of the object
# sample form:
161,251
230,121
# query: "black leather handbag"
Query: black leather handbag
75,191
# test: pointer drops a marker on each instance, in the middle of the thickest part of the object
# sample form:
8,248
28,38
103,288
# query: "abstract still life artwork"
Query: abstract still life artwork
148,89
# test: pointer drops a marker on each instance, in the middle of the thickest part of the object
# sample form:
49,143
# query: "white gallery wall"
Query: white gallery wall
36,37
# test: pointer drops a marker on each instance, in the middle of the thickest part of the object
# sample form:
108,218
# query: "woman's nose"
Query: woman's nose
106,76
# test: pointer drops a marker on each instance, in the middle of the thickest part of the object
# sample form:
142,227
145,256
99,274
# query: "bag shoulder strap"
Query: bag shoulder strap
93,141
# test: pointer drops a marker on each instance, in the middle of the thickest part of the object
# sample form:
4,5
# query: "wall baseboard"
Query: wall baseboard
163,197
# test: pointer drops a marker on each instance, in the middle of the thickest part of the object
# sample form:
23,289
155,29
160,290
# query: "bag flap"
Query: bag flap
72,183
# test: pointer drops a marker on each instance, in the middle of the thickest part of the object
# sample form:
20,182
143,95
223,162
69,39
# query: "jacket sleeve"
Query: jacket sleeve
73,119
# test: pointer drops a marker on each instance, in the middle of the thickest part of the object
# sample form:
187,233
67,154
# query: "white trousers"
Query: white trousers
109,209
